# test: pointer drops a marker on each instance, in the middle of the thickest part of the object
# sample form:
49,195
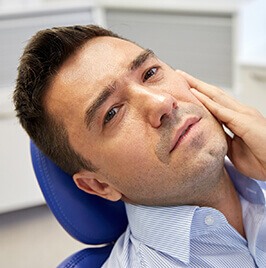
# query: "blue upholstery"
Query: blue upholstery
88,218
89,258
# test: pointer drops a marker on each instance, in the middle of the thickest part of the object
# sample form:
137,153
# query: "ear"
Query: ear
92,184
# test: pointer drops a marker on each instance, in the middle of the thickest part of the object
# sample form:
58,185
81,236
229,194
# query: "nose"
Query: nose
156,105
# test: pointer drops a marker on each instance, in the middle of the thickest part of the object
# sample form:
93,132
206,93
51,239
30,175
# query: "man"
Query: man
127,126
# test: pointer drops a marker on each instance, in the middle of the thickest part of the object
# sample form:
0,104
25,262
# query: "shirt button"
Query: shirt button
209,220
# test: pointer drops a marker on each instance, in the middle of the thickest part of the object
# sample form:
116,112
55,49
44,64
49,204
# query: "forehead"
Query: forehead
98,60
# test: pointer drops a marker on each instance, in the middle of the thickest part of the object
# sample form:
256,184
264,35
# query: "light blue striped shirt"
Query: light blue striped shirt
191,236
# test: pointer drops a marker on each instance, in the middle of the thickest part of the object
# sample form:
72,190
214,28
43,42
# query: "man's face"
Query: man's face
136,120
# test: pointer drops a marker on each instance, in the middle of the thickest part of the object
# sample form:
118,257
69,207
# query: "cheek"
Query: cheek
179,87
190,97
181,91
127,154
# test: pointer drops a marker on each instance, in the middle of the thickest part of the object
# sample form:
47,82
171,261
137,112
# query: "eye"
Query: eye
151,72
110,115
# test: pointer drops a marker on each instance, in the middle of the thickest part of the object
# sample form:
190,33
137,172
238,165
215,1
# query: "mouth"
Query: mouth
183,132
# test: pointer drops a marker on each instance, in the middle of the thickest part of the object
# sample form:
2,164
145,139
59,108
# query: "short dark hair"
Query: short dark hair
42,58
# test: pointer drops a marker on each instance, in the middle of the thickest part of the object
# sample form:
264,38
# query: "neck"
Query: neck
227,201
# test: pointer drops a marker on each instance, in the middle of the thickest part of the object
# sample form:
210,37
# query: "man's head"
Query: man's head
41,61
127,124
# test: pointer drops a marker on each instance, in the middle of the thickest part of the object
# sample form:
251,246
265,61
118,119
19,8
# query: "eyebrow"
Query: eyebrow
140,59
108,91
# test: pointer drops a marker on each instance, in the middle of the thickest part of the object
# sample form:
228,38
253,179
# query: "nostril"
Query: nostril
164,118
168,113
174,104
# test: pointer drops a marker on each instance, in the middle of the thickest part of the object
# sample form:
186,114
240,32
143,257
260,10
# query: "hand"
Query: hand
247,148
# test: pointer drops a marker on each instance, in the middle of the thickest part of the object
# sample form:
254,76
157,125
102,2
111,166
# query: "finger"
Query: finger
243,126
222,113
240,154
201,86
214,93
219,111
235,121
229,144
207,89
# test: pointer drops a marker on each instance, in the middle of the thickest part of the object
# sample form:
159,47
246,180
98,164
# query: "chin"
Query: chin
213,164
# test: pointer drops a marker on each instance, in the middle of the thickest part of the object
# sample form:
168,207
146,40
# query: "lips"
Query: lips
182,131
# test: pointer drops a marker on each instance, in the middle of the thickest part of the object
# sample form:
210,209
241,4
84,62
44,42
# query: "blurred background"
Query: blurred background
220,41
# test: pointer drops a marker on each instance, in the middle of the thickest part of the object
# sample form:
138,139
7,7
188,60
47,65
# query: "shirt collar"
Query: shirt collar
166,228
249,188
163,228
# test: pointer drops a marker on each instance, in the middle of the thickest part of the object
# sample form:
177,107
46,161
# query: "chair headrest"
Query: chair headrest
88,218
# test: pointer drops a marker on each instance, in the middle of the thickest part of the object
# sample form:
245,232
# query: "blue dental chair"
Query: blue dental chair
88,218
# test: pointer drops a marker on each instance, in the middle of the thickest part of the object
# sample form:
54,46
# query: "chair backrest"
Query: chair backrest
88,218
